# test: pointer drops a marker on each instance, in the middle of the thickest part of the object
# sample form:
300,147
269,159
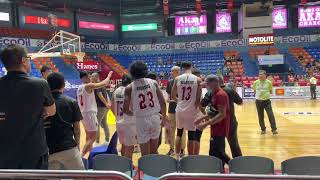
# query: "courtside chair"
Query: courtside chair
157,165
85,163
201,164
251,165
307,165
111,148
111,162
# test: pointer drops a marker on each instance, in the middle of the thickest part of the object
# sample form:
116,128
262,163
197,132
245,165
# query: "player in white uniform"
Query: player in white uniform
126,125
88,107
146,101
187,92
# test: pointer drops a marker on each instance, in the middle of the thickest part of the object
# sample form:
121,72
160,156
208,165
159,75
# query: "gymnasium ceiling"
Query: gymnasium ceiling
127,7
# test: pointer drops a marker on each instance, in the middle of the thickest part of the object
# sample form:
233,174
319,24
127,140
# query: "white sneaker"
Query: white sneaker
95,144
105,143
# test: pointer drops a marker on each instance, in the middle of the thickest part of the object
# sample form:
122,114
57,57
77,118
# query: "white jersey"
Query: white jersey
144,97
86,101
118,98
187,85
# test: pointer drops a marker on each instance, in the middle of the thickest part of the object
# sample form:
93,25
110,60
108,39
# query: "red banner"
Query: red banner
166,7
198,6
230,5
261,40
88,66
45,21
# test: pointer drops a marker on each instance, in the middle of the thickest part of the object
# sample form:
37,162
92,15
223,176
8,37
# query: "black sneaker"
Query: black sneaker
275,132
171,152
263,132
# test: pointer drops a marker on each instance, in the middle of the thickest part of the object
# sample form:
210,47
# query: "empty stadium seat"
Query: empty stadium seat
251,165
157,165
201,164
308,165
111,162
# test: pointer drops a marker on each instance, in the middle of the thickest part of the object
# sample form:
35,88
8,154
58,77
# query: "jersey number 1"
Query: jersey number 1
119,108
143,100
81,100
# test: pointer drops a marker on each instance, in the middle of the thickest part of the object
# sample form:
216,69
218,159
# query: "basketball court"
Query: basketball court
298,126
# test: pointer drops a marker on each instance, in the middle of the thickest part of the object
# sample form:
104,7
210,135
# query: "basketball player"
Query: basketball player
126,125
187,92
147,101
88,107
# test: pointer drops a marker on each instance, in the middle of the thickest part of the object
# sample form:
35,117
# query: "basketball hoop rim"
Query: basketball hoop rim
78,55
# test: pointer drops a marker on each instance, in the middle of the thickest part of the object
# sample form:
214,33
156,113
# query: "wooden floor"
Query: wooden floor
298,124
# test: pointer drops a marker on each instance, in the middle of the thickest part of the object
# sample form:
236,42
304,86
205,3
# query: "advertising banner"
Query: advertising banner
71,86
309,16
140,27
88,66
5,41
4,16
96,26
193,45
285,92
261,39
279,18
223,22
270,59
248,93
45,21
186,25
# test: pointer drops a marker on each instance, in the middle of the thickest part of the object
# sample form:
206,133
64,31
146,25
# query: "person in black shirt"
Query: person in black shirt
25,103
171,130
63,129
233,98
103,104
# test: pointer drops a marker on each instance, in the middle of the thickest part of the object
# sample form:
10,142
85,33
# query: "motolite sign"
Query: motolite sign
261,39
88,66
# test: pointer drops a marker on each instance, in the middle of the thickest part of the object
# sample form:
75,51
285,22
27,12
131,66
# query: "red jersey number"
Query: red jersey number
186,93
81,100
142,98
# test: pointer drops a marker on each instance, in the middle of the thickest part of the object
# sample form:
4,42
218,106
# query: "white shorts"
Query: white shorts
90,121
127,133
185,120
148,128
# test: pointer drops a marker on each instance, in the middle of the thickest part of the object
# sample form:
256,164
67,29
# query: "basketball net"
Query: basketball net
78,55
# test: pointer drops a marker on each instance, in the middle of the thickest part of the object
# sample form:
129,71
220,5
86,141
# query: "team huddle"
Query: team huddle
141,111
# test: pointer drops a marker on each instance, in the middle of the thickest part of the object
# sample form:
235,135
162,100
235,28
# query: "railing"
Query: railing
45,174
192,176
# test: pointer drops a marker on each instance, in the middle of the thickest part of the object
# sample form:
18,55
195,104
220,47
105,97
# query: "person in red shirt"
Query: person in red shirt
220,122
